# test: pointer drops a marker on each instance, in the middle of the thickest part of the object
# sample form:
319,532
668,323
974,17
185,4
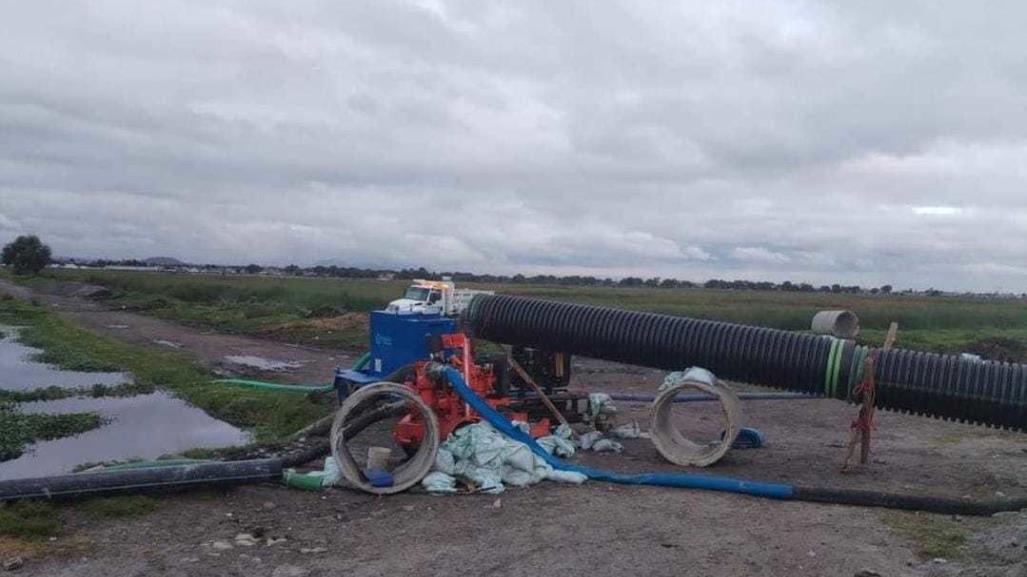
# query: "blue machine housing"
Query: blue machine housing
396,341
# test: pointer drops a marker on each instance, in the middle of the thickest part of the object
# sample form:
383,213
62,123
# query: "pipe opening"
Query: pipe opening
711,427
364,457
840,324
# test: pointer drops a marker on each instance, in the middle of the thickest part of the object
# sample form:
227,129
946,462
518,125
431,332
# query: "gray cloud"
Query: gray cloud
816,142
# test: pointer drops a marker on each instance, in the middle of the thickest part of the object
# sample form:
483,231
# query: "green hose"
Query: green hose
305,481
277,387
362,361
297,389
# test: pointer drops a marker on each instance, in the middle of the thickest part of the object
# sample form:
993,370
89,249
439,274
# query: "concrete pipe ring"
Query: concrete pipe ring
840,324
410,472
680,450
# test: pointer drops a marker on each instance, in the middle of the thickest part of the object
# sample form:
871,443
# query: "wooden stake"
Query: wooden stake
893,333
866,412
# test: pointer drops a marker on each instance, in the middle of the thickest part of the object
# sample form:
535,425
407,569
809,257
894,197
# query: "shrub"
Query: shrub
26,255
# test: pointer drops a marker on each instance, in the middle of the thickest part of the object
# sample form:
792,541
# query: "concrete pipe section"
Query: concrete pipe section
840,324
410,472
669,441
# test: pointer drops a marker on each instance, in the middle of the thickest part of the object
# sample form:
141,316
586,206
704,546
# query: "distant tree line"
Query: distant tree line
28,255
335,271
580,280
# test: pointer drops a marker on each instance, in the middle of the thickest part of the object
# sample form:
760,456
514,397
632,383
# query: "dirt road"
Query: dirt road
596,529
216,351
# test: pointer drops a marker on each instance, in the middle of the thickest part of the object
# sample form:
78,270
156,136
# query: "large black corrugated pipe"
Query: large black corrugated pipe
161,479
944,386
781,359
953,387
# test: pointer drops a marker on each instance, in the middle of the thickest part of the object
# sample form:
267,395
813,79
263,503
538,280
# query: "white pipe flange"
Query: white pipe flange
407,474
669,441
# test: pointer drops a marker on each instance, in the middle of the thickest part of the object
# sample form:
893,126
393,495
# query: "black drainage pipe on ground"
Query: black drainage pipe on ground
163,479
942,505
942,386
182,477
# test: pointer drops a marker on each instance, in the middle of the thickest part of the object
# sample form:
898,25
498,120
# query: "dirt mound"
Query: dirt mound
1000,349
75,289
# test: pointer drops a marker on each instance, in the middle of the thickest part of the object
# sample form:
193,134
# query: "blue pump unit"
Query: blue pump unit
396,341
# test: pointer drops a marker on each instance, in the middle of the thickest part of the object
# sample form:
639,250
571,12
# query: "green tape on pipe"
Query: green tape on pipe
859,356
836,371
864,352
831,364
831,356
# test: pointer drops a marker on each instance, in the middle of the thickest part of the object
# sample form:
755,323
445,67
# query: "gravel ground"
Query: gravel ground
596,529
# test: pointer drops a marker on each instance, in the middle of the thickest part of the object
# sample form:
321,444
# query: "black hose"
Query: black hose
907,502
943,386
162,479
302,457
356,425
182,477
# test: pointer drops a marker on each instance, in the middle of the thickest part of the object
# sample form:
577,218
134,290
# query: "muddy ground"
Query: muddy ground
595,529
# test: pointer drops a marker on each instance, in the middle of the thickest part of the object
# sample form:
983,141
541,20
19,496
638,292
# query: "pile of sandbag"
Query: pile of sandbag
485,458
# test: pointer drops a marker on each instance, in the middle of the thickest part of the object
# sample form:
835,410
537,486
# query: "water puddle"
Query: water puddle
262,364
18,372
143,426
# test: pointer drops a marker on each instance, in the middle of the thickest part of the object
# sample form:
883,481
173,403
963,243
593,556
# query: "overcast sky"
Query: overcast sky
853,142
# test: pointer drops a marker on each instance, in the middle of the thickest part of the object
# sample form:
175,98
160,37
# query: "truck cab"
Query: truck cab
418,299
427,297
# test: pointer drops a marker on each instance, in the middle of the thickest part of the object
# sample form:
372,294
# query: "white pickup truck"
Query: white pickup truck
433,297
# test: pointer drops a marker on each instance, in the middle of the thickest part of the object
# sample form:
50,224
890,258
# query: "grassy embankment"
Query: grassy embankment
331,312
268,415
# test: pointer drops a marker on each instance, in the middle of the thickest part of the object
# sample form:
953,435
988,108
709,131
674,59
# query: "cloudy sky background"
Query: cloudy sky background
863,143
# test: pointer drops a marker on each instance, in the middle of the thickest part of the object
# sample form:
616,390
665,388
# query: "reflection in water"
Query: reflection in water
143,426
18,372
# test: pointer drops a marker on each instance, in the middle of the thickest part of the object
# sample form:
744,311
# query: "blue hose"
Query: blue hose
684,480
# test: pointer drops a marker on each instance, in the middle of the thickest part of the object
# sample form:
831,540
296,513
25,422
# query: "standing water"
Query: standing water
143,426
18,372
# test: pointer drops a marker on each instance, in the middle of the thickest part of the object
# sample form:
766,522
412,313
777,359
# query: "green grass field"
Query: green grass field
329,311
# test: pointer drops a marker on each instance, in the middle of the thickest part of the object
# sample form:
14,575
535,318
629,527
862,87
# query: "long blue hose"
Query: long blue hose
684,480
